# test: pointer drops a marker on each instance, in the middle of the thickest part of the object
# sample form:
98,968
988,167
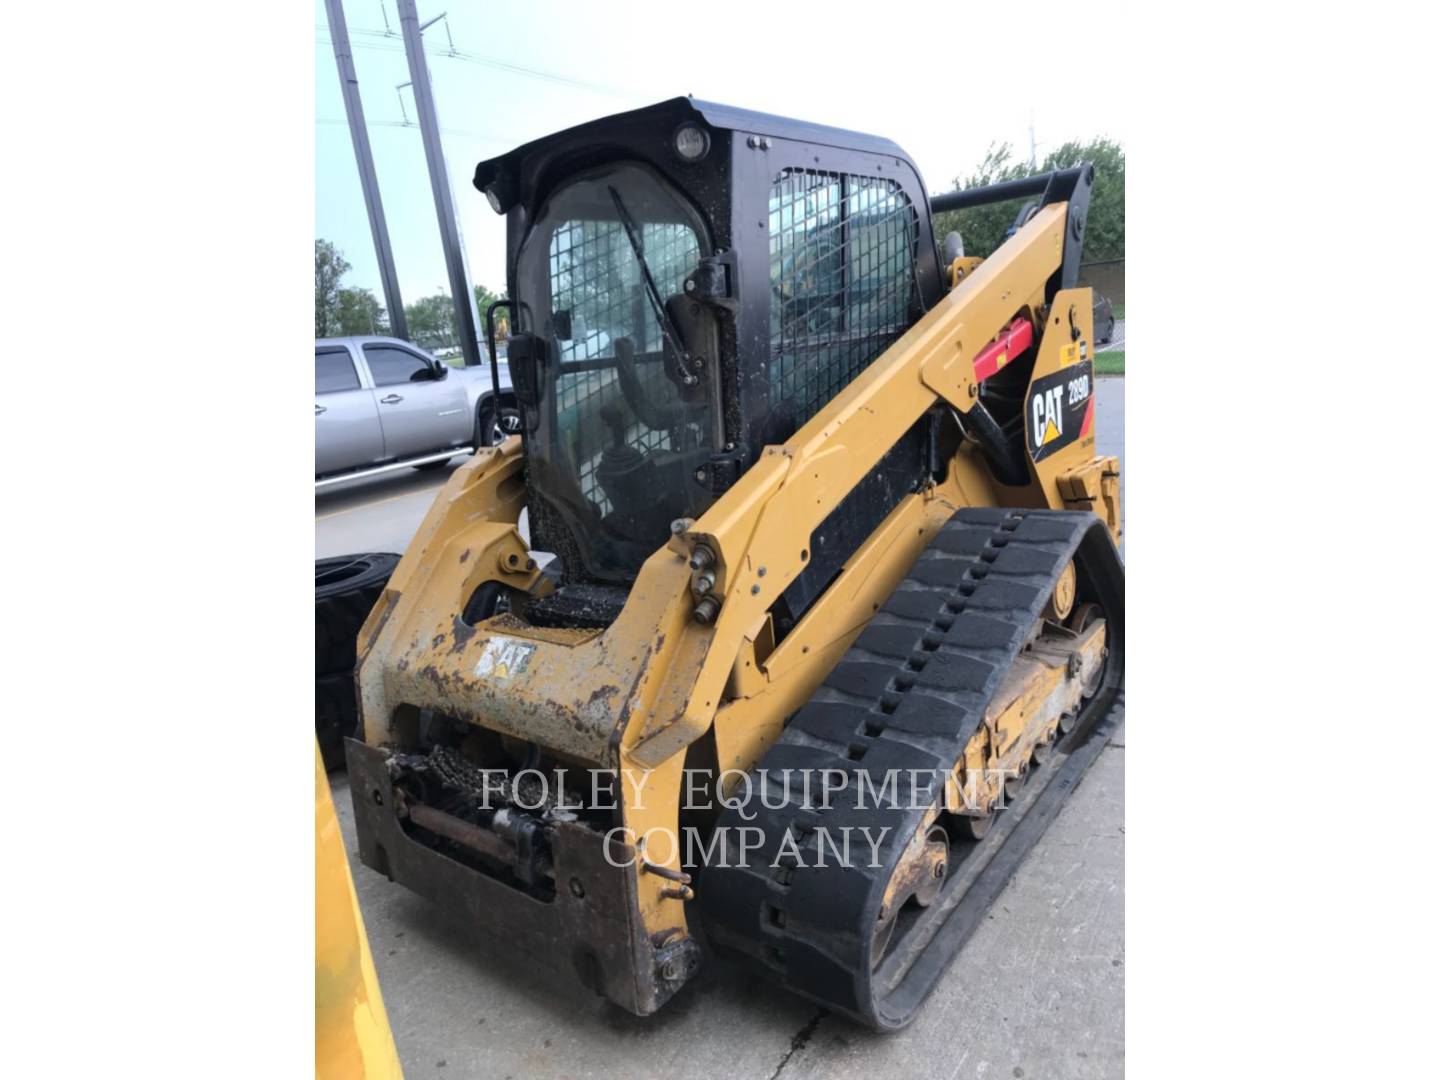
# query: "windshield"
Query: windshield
626,414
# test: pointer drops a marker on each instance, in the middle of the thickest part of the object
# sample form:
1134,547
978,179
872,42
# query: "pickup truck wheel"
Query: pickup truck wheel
493,430
346,588
336,716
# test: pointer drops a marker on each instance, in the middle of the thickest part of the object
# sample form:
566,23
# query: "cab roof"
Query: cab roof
671,113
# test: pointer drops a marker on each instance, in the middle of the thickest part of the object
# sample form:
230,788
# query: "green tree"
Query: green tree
342,310
357,311
330,267
483,299
431,322
1105,226
983,227
431,319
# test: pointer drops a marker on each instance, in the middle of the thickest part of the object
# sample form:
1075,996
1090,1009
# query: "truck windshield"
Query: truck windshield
619,433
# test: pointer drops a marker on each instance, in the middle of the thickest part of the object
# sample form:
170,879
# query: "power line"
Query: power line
416,127
387,44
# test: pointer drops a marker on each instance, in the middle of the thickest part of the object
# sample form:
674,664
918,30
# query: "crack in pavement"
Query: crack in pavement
798,1042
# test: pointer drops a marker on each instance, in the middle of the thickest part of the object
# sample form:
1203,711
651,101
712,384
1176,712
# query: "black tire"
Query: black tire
490,430
336,716
346,588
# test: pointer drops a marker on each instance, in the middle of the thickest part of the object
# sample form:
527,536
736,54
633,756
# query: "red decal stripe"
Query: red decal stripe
1013,340
1089,417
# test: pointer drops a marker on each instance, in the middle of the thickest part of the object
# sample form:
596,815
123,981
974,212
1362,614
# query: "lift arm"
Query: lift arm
758,533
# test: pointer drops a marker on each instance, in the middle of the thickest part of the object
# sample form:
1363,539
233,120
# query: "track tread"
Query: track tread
907,696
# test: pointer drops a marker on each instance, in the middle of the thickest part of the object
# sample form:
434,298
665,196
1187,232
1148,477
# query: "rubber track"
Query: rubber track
908,695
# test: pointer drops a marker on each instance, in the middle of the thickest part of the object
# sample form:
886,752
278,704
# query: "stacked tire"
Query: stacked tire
346,588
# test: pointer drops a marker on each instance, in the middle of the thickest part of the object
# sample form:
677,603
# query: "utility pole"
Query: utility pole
355,114
462,295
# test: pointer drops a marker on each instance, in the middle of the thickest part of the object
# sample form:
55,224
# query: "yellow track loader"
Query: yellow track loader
793,613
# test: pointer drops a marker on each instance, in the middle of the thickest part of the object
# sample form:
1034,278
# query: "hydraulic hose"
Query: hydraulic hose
1007,459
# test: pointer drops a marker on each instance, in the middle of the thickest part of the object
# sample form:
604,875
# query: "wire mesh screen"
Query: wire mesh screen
842,252
595,278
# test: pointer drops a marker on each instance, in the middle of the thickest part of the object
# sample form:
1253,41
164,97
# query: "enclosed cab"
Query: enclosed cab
691,283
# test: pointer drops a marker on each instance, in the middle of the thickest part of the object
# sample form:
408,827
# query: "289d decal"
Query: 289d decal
1060,409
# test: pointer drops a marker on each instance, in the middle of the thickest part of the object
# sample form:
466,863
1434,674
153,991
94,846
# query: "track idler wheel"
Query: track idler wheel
919,876
1081,619
1040,752
1062,600
1013,784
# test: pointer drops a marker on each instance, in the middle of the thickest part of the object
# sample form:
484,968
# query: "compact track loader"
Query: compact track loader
819,616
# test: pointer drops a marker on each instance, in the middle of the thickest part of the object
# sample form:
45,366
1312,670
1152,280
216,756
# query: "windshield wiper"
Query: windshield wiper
667,325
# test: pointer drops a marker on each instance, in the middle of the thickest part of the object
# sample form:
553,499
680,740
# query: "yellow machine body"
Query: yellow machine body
633,697
639,698
352,1032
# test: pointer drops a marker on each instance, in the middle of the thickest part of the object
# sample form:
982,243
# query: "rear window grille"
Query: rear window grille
842,254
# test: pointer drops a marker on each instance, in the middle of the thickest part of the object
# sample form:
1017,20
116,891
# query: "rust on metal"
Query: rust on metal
1047,683
463,832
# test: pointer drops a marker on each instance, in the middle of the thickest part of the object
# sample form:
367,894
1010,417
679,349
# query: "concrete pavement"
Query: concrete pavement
1038,990
380,514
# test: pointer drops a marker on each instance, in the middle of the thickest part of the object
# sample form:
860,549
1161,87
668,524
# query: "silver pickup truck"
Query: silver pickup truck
383,404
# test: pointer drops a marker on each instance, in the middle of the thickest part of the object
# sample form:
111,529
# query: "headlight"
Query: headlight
691,142
495,203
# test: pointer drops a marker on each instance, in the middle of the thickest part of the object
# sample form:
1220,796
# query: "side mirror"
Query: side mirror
440,368
527,352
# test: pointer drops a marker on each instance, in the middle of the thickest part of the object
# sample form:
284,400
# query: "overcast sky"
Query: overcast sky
944,89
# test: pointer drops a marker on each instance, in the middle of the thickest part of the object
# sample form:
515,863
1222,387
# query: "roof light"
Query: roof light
691,142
